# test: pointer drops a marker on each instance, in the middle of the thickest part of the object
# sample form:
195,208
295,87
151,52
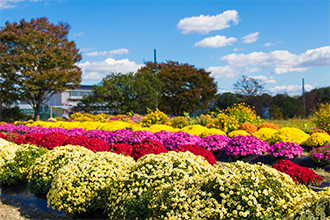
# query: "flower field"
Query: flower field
159,167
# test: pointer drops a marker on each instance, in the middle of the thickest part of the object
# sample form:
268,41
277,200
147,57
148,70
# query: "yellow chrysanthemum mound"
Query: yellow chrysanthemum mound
287,134
178,122
77,186
237,132
46,167
7,152
157,128
134,197
264,133
212,131
114,125
156,117
315,205
194,129
224,122
317,139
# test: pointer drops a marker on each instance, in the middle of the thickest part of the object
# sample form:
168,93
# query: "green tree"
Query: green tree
249,86
185,88
37,61
226,100
290,106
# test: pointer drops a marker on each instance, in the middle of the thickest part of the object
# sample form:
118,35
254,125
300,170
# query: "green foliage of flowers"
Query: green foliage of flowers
194,129
77,186
314,206
244,113
46,167
203,119
237,132
17,169
317,139
135,196
224,122
178,122
321,117
287,134
212,131
265,133
156,117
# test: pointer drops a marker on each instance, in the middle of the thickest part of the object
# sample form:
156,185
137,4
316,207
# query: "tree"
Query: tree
249,86
290,106
226,100
185,88
124,92
37,61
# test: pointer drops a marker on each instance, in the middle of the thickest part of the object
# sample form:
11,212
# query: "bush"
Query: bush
16,170
178,122
285,150
317,139
243,113
46,167
156,117
265,133
77,186
13,137
34,139
248,127
212,131
194,129
198,151
203,120
318,131
287,134
125,149
224,122
242,146
237,132
54,139
321,155
7,152
321,117
214,143
147,146
298,173
180,138
138,136
269,125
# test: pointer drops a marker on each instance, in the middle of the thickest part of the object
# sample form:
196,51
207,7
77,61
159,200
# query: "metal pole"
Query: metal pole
303,96
155,70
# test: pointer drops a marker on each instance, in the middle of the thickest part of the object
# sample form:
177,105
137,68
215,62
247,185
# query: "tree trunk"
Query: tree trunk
36,112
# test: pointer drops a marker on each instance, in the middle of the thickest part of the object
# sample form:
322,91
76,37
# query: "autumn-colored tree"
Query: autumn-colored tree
37,61
185,88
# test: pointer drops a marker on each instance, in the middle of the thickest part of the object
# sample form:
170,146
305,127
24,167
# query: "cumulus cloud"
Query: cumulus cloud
95,53
251,38
290,89
265,79
251,70
204,24
237,49
98,70
119,51
216,41
6,4
223,71
281,60
78,34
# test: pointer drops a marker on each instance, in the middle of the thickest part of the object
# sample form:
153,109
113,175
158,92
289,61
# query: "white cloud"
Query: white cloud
98,70
251,70
119,51
250,38
281,60
265,79
204,24
215,42
95,53
237,49
272,44
290,89
223,71
78,34
6,4
87,49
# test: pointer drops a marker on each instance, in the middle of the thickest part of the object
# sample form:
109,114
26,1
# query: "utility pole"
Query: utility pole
303,96
155,70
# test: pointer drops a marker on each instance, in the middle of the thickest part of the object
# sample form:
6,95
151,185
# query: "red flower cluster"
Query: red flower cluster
147,146
198,150
34,138
14,137
2,136
125,149
93,144
298,173
53,139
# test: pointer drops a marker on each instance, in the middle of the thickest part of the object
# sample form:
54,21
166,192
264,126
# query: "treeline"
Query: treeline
279,106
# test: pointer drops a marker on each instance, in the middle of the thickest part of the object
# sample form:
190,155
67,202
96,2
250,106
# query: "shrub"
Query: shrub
138,136
180,138
157,128
156,117
248,127
45,168
178,122
7,152
321,117
224,122
125,149
2,136
243,113
194,129
198,151
34,139
285,149
318,131
212,131
54,139
287,134
134,197
17,169
321,155
298,173
214,143
237,132
163,135
242,146
77,186
264,133
317,139
13,137
203,119
147,146
269,125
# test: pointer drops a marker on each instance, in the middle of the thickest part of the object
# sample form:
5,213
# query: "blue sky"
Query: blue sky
278,42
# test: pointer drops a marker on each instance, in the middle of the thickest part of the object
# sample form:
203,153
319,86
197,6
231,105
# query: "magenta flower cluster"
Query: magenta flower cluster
214,143
321,155
180,138
285,150
242,146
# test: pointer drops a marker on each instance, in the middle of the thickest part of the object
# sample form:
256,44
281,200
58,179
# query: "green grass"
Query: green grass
304,124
